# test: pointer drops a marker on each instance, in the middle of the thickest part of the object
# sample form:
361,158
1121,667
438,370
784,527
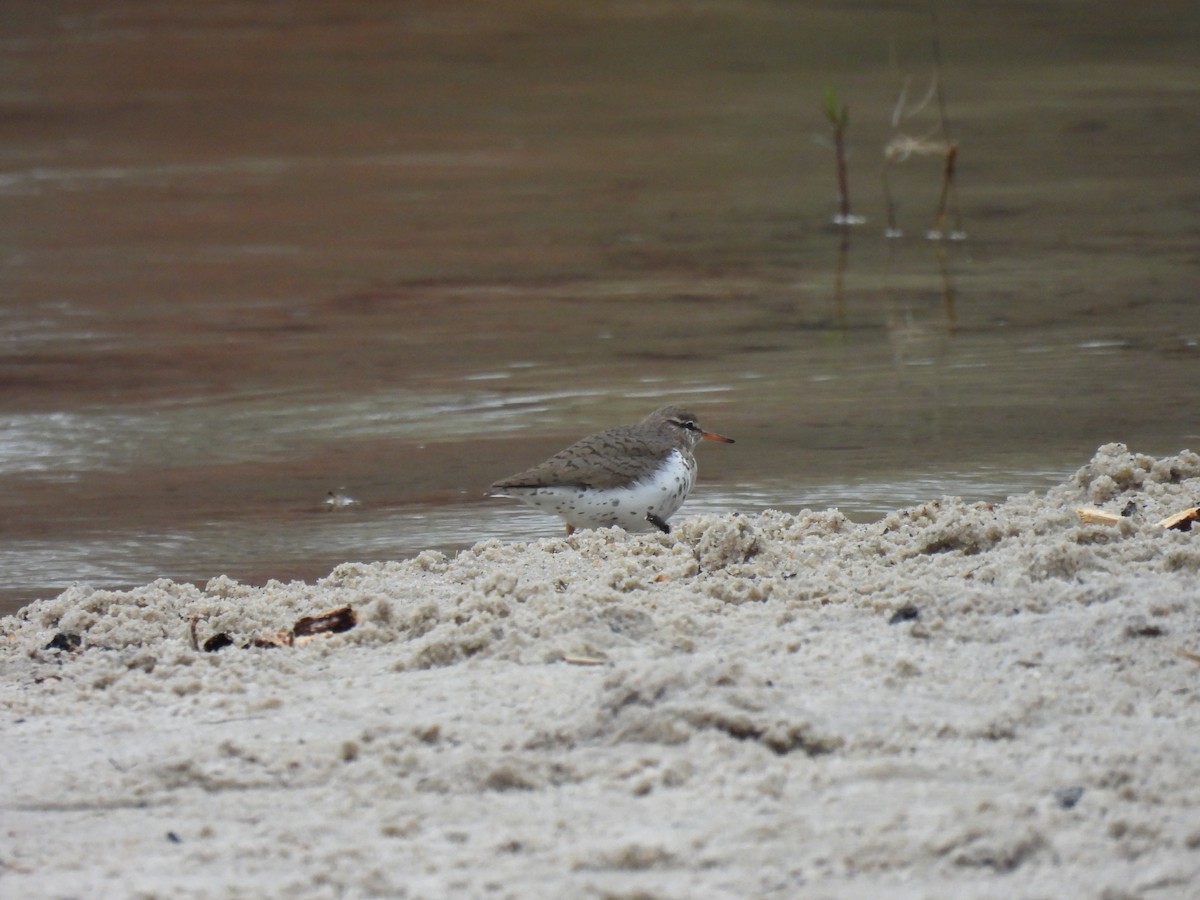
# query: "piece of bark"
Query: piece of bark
1181,521
330,621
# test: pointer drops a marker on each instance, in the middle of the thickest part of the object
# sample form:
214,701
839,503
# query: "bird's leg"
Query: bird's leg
570,529
658,522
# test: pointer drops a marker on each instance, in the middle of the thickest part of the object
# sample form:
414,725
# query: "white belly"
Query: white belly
659,496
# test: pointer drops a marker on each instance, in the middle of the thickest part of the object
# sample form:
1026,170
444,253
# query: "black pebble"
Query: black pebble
64,641
1067,797
1143,629
217,642
906,613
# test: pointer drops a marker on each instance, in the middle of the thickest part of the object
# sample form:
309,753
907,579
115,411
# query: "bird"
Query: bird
635,476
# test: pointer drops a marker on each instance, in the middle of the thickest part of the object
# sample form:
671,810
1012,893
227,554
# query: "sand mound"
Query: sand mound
755,705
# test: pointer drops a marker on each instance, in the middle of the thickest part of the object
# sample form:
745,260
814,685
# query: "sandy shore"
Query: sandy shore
960,700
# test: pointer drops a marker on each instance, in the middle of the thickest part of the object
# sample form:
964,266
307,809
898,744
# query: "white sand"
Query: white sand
759,727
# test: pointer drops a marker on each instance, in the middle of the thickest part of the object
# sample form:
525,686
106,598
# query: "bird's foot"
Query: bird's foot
658,522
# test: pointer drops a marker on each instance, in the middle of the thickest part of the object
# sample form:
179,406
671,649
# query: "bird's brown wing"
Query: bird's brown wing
607,459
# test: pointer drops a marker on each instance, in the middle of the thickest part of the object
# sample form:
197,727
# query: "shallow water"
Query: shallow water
252,254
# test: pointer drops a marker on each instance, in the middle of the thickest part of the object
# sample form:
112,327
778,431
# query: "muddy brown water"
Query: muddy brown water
254,253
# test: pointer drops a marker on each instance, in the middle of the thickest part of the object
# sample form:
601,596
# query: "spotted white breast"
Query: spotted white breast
630,506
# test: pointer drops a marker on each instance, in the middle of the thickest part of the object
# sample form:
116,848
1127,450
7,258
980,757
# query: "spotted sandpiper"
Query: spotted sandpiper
635,476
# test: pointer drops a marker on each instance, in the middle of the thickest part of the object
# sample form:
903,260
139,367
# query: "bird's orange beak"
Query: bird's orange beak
719,438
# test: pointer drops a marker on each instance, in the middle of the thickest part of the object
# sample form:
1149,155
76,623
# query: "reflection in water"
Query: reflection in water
948,306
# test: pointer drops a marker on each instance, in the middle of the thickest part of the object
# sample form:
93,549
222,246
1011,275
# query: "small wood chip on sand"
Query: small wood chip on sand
330,621
585,661
275,639
1180,521
1188,654
307,628
1091,516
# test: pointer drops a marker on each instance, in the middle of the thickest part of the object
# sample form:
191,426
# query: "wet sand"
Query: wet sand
961,699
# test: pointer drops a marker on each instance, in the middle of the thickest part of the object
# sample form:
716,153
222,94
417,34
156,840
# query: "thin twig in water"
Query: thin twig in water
838,115
936,142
